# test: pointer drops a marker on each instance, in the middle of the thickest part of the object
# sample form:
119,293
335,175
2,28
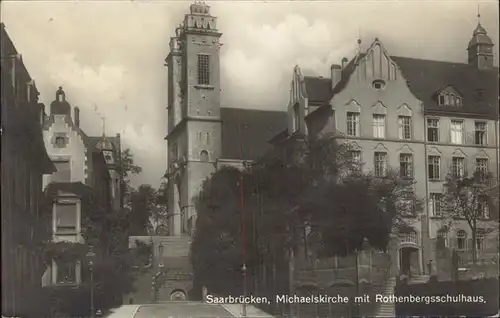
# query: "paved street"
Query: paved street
179,310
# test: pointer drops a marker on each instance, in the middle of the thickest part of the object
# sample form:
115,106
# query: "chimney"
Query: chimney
77,117
336,74
344,63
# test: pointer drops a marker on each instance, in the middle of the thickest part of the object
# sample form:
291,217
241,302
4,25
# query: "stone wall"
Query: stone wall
339,277
459,265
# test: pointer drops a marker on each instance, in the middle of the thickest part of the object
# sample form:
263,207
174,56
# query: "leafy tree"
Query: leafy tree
158,215
142,203
303,182
217,255
148,213
473,198
126,168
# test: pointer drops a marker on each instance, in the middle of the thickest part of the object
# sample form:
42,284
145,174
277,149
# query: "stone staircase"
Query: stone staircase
420,279
388,309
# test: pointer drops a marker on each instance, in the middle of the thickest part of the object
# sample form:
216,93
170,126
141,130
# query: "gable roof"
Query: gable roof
258,127
428,77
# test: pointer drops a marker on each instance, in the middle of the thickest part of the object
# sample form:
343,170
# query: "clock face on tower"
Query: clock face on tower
108,156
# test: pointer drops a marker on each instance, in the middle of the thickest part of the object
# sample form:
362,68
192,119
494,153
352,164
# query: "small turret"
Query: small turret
480,48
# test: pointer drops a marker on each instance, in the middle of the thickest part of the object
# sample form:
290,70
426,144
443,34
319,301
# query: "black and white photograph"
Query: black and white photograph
250,158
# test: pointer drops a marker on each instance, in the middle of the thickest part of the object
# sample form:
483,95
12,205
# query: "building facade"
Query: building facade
82,162
24,161
423,118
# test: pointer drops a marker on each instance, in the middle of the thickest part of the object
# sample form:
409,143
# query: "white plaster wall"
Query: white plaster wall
75,150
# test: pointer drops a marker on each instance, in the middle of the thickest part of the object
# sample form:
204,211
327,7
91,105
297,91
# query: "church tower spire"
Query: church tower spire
480,48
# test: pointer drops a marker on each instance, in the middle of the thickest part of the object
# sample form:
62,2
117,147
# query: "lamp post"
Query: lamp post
244,270
90,255
364,246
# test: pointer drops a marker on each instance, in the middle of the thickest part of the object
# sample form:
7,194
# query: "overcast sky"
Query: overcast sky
111,53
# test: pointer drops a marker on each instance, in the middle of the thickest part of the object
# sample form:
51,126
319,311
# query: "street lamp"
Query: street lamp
244,270
364,246
90,255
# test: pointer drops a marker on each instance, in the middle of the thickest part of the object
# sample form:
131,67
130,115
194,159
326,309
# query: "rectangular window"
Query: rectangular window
203,69
482,168
406,205
457,132
355,156
66,272
433,130
296,117
66,218
380,164
434,167
458,167
404,127
406,165
480,133
483,207
480,241
174,150
353,124
435,204
63,173
379,126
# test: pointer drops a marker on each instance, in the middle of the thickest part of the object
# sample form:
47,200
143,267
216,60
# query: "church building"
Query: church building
202,135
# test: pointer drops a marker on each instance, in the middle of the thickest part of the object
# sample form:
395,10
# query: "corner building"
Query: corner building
424,118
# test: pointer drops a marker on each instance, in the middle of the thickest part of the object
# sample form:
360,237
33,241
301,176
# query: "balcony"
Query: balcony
408,238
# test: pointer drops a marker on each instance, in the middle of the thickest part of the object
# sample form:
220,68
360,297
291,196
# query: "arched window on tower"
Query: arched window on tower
204,156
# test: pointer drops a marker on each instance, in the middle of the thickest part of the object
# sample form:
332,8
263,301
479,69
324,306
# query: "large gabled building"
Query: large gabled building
424,118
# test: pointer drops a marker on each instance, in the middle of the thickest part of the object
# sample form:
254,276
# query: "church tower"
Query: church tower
480,48
194,125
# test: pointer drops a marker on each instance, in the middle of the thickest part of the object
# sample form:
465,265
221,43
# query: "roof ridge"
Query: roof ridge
429,60
316,77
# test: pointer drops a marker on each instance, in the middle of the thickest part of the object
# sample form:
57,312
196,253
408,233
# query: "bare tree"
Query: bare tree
473,199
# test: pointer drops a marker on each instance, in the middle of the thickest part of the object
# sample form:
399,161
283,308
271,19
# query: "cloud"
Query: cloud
111,53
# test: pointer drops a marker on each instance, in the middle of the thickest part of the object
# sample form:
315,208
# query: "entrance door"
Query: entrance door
405,261
409,261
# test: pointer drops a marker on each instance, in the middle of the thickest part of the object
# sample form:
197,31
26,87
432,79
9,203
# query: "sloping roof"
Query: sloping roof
346,73
258,127
92,141
426,78
21,127
319,89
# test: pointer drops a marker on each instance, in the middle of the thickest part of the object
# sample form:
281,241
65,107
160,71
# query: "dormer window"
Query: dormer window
449,99
378,84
